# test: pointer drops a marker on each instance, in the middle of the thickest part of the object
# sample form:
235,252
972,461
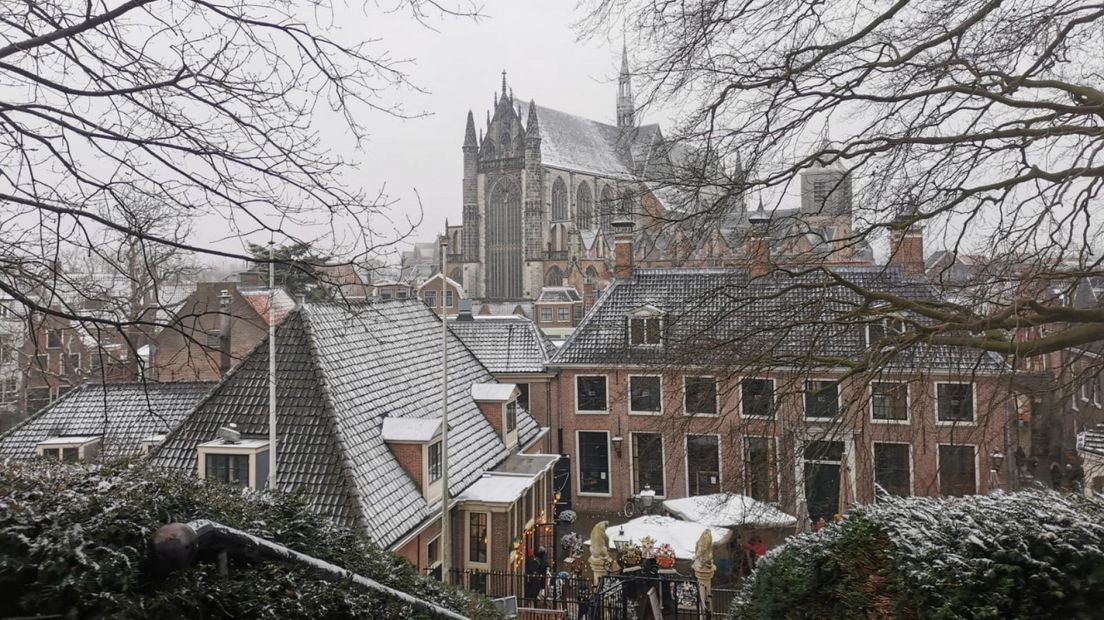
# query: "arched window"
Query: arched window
591,273
488,148
504,233
605,208
584,207
559,201
625,207
553,277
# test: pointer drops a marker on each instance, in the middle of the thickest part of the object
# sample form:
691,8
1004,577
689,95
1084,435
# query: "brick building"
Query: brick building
665,384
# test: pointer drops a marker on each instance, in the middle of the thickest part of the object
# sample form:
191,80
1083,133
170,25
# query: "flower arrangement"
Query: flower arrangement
631,554
647,548
665,556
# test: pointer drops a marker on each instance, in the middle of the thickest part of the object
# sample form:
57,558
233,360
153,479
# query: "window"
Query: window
213,339
37,398
559,201
433,462
430,297
53,339
229,468
511,416
448,299
6,350
578,312
889,401
590,393
645,330
647,462
701,395
51,453
703,464
40,364
957,470
73,363
546,315
955,402
70,455
760,469
477,537
385,294
564,314
433,556
584,208
593,462
757,397
821,399
891,468
402,294
890,327
523,398
644,395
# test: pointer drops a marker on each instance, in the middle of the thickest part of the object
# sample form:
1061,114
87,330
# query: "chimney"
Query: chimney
622,249
465,313
907,249
224,332
759,242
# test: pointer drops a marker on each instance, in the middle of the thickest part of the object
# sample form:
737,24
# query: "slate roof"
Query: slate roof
575,143
342,370
1092,440
134,411
558,294
505,344
722,316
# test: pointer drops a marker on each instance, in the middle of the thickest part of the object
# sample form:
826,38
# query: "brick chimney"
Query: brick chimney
622,249
907,249
588,293
759,242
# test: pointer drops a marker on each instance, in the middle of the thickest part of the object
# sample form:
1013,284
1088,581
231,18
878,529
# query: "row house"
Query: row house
704,380
359,427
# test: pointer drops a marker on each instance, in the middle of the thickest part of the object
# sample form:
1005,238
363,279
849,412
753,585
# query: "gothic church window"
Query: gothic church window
554,277
626,205
559,201
584,208
605,207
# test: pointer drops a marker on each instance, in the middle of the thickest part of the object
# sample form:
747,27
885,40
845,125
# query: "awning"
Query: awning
729,510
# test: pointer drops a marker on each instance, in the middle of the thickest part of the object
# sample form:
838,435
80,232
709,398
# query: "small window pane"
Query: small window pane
213,338
956,402
701,395
53,339
433,462
821,399
758,397
70,455
546,315
891,468
593,462
636,331
232,469
511,416
51,453
644,394
477,537
564,315
889,401
591,393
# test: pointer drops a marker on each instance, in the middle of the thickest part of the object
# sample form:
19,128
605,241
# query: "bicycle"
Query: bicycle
640,503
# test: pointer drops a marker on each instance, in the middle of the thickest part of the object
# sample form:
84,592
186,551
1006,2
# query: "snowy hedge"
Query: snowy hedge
1025,555
73,542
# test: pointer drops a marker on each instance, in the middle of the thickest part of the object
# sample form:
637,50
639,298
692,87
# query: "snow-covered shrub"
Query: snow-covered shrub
1034,554
73,542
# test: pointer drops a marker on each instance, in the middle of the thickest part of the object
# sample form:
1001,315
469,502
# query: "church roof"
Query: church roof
575,143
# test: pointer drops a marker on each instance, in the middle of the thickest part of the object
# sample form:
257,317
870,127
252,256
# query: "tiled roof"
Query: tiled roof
342,370
1092,440
505,344
282,303
575,143
558,294
123,413
723,317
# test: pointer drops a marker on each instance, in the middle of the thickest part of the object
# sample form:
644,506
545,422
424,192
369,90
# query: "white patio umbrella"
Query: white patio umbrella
681,535
729,510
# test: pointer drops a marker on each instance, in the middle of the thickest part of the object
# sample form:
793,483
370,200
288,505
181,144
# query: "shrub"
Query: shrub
1025,555
73,541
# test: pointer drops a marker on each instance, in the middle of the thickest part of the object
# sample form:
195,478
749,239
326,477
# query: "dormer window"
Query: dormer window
645,326
416,445
888,327
511,416
433,462
234,460
498,402
69,449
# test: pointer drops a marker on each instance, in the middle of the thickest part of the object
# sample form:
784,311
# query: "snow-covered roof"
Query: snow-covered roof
68,440
493,391
681,535
282,303
729,510
494,488
410,429
244,444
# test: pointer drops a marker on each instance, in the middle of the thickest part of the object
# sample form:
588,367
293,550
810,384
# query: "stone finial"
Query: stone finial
703,552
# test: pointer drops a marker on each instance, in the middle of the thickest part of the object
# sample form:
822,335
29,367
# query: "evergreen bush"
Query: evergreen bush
74,540
1034,554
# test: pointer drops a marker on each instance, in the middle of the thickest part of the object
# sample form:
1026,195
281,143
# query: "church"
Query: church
542,189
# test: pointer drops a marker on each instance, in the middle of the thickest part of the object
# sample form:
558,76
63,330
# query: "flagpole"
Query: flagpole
445,542
271,369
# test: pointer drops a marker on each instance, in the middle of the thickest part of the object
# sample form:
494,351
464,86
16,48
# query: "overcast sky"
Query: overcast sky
460,63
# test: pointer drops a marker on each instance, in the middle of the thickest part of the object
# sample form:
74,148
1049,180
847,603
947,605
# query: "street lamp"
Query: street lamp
647,496
617,439
996,459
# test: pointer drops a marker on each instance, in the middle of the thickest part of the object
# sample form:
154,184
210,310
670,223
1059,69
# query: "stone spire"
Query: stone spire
626,110
532,124
469,132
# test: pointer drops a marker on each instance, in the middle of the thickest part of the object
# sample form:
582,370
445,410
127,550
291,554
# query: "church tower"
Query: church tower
626,111
470,234
534,188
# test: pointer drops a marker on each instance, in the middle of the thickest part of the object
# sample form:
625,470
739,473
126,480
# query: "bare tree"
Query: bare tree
980,121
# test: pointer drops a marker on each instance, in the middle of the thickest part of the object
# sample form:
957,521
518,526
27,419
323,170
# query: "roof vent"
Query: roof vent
465,313
229,433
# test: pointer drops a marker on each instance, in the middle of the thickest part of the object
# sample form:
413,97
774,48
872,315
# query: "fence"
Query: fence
617,597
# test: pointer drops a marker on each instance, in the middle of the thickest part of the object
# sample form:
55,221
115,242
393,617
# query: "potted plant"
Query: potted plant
665,556
631,556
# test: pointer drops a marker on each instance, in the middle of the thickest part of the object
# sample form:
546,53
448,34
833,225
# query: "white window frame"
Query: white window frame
510,436
839,400
252,452
551,314
774,398
579,465
628,394
88,447
908,404
430,564
575,388
716,396
560,312
973,404
939,466
874,466
467,539
686,458
662,459
645,313
777,465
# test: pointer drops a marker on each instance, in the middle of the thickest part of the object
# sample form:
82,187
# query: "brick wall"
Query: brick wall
409,455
